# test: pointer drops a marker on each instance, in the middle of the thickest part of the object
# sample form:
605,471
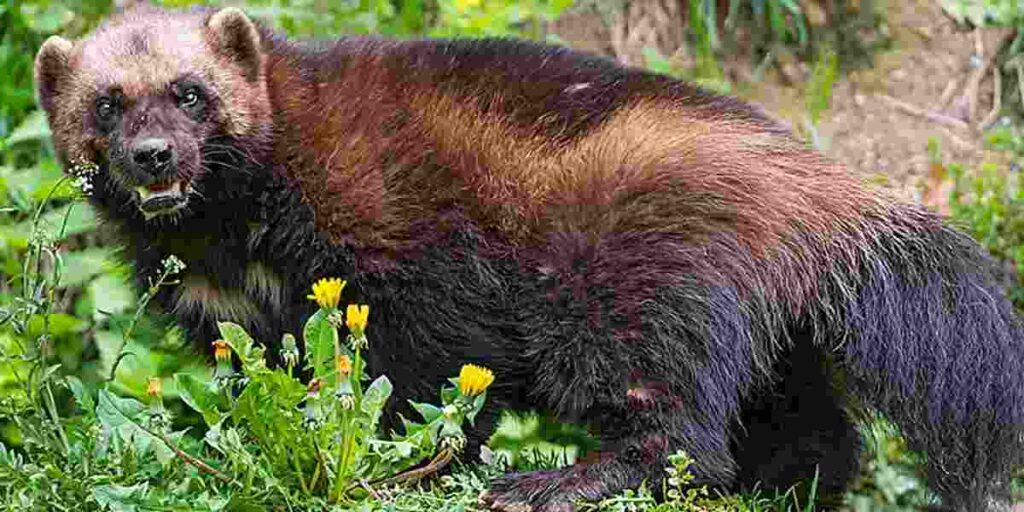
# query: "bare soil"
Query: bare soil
935,83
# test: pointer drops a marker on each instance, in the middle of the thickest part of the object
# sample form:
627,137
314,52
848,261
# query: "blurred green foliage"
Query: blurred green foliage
989,202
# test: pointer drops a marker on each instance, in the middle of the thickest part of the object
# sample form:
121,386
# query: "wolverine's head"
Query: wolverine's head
151,95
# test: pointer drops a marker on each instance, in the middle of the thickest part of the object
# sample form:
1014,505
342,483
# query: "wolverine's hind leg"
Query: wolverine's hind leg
673,384
795,433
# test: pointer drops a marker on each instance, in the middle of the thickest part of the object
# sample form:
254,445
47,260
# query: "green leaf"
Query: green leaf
320,338
199,397
248,352
478,405
122,418
83,398
375,397
429,412
119,498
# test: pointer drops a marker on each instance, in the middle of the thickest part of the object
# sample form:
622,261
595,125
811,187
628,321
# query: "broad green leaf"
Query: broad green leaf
199,397
429,412
122,417
478,405
83,397
119,498
375,397
244,346
320,338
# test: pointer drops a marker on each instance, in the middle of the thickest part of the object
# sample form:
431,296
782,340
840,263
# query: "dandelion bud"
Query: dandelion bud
154,387
343,364
312,416
222,354
221,351
289,351
158,419
313,388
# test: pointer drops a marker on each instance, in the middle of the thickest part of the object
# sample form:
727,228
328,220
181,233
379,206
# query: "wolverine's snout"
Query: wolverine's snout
154,168
153,156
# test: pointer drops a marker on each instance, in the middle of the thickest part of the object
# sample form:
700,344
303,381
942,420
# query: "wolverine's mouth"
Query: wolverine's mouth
163,198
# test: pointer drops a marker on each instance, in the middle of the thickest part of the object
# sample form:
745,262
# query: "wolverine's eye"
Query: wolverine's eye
189,98
104,109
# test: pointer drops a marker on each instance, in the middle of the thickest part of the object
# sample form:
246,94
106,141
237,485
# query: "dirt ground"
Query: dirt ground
935,82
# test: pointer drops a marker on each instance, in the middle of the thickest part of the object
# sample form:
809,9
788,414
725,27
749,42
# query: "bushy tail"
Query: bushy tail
934,344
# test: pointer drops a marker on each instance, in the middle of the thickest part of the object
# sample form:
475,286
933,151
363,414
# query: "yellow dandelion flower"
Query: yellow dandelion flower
154,387
465,5
343,364
313,387
474,379
356,318
221,351
327,292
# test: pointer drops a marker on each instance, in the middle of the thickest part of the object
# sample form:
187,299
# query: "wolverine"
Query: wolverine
670,267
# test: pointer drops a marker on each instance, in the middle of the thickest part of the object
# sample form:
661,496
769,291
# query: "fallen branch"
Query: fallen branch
199,464
436,464
439,462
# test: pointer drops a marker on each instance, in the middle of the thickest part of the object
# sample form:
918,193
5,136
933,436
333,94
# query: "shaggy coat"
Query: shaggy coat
621,248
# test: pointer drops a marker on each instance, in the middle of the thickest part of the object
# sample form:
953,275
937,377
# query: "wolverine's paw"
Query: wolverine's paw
536,491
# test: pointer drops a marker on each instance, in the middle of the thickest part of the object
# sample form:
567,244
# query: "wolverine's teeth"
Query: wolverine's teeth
175,188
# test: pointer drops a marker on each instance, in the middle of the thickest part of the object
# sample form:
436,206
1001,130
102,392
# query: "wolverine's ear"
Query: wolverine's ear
235,36
51,67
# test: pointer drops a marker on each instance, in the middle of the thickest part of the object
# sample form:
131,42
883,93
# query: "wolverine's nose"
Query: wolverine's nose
152,154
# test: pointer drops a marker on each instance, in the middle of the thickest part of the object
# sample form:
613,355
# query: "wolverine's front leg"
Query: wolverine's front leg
674,384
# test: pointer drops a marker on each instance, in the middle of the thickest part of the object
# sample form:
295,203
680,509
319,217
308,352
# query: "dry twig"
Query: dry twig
934,117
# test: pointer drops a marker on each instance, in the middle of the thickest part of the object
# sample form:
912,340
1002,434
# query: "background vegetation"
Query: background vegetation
102,406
